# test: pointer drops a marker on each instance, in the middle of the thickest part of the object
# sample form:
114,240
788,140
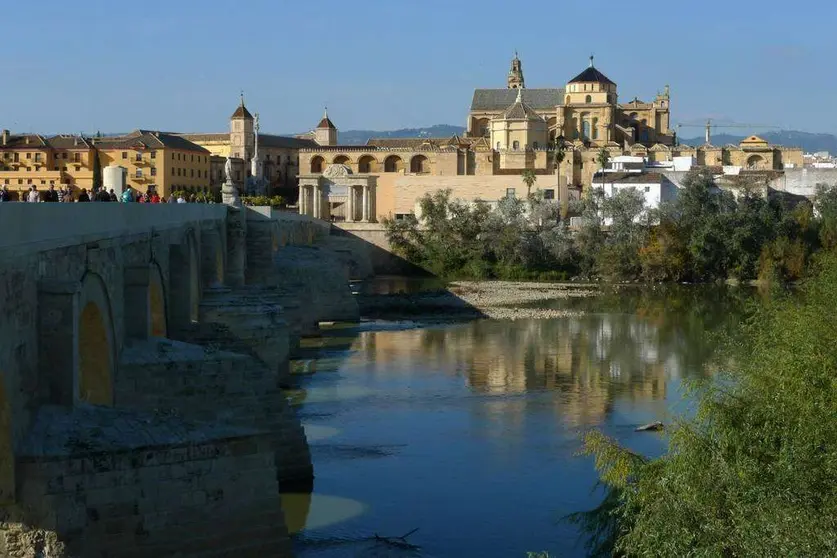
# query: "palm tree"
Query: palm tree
603,158
529,179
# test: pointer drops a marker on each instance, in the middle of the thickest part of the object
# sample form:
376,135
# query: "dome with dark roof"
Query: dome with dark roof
591,75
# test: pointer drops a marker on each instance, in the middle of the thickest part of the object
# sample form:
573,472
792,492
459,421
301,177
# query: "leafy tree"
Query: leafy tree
619,254
97,171
752,474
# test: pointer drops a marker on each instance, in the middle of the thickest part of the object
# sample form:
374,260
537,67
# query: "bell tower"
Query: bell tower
515,79
242,134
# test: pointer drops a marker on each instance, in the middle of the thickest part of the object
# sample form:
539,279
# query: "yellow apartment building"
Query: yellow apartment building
157,161
34,160
153,161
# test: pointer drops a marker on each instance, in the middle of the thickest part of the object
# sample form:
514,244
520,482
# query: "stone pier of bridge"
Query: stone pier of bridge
143,355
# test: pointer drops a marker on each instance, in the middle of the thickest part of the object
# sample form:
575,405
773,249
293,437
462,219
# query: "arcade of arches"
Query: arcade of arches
157,304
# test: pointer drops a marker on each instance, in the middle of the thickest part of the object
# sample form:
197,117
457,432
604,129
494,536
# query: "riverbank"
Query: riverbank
466,300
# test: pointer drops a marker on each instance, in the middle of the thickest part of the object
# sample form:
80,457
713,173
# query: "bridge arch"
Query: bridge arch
96,342
157,301
184,282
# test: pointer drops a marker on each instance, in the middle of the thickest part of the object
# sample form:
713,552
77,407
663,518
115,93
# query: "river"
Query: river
469,432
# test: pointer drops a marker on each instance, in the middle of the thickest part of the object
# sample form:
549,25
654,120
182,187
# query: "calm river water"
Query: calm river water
468,432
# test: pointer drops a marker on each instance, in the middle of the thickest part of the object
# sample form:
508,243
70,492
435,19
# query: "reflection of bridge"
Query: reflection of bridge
143,350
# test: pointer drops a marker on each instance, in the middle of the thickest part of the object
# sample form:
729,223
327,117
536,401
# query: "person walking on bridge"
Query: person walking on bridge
128,195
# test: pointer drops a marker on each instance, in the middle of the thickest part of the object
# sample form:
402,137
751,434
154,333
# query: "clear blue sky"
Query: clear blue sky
385,64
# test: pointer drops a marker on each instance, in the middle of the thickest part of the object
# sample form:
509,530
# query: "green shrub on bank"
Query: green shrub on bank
705,235
753,473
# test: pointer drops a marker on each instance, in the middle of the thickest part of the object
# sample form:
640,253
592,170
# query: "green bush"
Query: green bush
752,474
272,201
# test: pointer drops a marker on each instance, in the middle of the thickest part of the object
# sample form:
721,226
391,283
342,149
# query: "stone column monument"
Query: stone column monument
236,230
229,191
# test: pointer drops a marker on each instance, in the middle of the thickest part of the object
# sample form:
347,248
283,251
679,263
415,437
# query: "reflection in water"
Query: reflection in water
470,431
315,511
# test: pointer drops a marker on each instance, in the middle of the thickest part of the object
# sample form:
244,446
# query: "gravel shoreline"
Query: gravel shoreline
467,300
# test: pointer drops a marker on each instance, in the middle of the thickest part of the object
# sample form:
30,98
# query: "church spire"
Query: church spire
591,61
515,78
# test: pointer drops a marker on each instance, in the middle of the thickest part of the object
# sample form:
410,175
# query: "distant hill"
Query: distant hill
810,143
360,137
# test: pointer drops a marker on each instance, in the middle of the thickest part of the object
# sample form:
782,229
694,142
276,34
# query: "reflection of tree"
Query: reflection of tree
628,350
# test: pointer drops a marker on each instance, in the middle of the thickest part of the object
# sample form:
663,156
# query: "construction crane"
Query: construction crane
709,125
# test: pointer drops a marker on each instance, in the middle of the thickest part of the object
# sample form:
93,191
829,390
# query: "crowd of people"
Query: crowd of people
66,195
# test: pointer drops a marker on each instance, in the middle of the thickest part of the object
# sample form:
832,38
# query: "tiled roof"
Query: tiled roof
268,140
500,99
591,75
147,138
62,141
520,110
242,112
68,142
206,137
20,141
326,123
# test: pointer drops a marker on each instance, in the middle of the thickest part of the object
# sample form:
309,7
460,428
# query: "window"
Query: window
17,157
65,168
588,99
153,154
549,194
64,156
78,168
124,154
193,158
28,155
139,173
516,145
153,171
193,173
585,129
37,157
172,156
509,192
648,188
498,146
43,182
178,172
20,181
595,128
173,171
139,156
278,159
178,157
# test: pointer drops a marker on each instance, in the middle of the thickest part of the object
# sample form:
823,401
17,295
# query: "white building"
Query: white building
655,187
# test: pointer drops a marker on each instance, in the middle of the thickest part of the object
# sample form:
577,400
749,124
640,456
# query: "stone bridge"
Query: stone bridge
143,353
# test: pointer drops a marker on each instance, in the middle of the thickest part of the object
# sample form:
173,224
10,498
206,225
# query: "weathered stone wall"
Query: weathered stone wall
107,482
206,384
144,269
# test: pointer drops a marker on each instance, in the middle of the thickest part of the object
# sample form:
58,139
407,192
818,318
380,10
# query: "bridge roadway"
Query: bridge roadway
143,351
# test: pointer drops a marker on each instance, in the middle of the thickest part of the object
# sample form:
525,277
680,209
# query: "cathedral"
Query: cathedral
587,111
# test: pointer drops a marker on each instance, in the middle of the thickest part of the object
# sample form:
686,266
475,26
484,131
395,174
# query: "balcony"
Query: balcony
136,178
140,162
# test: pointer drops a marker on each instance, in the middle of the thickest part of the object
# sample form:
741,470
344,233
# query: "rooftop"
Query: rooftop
591,75
149,139
501,99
